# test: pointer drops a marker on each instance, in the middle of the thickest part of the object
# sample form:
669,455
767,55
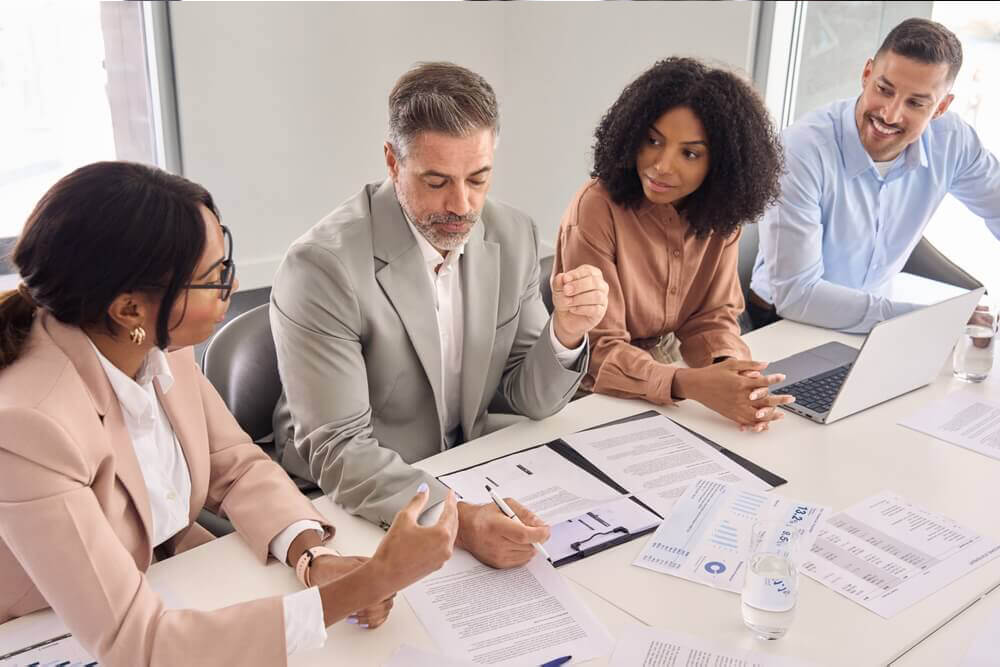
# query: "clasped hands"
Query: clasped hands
735,389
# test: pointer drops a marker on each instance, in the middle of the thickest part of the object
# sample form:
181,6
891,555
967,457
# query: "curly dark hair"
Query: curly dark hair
745,157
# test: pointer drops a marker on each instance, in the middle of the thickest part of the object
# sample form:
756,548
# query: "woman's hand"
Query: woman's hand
409,551
735,389
326,569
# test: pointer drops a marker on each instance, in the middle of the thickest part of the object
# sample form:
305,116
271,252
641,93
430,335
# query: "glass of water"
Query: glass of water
973,357
771,587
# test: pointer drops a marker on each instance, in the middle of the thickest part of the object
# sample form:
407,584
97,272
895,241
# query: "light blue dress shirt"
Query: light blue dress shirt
840,231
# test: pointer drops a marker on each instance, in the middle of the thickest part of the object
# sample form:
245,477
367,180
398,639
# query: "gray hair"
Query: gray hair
440,97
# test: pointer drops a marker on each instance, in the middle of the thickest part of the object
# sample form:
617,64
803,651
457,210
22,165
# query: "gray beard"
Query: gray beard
429,227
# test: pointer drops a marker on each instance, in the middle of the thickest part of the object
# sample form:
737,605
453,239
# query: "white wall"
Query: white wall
282,105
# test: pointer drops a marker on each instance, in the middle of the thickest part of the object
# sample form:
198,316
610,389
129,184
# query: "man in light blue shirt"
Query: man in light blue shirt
863,177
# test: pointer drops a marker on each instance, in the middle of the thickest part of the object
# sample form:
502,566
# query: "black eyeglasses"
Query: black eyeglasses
225,284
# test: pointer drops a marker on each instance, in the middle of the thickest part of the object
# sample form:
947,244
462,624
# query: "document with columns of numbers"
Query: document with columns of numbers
522,616
886,554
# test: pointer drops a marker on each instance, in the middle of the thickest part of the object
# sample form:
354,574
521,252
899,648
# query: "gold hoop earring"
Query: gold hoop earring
138,335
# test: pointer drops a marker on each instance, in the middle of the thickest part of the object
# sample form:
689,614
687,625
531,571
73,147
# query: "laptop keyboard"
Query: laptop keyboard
817,393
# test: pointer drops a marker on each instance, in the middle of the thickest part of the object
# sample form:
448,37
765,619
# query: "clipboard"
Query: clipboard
622,534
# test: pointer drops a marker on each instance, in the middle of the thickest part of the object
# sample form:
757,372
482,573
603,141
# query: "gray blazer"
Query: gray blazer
359,353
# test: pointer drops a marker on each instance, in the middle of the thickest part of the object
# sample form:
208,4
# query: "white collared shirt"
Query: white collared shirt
449,304
168,483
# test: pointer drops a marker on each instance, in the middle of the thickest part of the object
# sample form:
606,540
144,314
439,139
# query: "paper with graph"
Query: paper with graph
707,535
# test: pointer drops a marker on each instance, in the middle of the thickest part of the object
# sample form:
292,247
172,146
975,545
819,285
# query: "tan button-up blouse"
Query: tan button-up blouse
661,279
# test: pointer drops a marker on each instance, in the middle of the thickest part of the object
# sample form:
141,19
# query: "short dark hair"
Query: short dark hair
440,97
104,229
745,158
925,41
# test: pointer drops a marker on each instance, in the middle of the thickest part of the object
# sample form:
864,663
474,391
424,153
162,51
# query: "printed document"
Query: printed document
655,459
706,538
539,478
886,554
650,647
963,418
523,616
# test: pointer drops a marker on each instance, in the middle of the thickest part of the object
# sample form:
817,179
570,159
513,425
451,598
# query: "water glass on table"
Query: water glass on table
973,356
771,587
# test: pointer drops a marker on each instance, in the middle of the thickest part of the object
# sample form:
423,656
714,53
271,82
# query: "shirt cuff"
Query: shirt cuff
430,515
567,357
304,628
281,543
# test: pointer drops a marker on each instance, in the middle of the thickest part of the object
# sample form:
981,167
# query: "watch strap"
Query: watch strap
305,561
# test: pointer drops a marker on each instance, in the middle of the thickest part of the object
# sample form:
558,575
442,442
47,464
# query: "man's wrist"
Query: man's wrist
464,524
565,339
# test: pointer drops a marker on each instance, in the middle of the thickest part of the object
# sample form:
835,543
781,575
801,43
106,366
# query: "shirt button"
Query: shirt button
171,495
673,290
677,253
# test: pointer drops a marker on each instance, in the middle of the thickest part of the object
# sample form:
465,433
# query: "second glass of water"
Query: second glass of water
771,587
973,357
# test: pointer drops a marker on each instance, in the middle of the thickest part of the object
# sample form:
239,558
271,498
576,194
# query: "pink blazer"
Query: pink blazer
75,517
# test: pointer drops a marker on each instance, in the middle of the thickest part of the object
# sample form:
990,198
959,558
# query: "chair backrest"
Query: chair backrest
749,238
545,280
929,262
241,363
748,255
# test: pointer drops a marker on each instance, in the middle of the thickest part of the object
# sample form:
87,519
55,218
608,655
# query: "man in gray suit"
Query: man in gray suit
400,314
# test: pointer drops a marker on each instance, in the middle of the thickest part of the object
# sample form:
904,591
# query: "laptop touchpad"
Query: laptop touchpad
812,362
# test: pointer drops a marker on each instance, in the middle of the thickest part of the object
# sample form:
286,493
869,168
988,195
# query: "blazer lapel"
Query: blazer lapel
480,296
77,348
193,440
402,278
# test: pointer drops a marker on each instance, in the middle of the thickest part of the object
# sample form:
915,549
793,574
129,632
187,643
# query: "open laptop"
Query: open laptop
904,353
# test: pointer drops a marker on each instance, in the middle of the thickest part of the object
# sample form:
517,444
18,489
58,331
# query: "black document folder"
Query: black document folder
616,534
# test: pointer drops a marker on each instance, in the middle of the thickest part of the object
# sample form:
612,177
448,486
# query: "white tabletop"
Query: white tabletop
951,643
836,465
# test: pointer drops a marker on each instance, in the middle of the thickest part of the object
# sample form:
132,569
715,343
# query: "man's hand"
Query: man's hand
330,568
579,299
982,317
492,538
735,389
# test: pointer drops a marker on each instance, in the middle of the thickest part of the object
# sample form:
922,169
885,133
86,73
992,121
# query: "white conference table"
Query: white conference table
948,645
835,465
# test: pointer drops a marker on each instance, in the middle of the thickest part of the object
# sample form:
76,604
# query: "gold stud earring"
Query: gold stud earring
138,335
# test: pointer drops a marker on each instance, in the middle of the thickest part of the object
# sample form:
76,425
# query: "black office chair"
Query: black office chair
545,280
241,363
929,262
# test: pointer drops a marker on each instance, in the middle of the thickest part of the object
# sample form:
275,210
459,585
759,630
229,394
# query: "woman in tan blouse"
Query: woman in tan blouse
683,158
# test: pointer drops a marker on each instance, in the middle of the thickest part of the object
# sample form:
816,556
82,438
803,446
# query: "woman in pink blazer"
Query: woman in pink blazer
112,441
